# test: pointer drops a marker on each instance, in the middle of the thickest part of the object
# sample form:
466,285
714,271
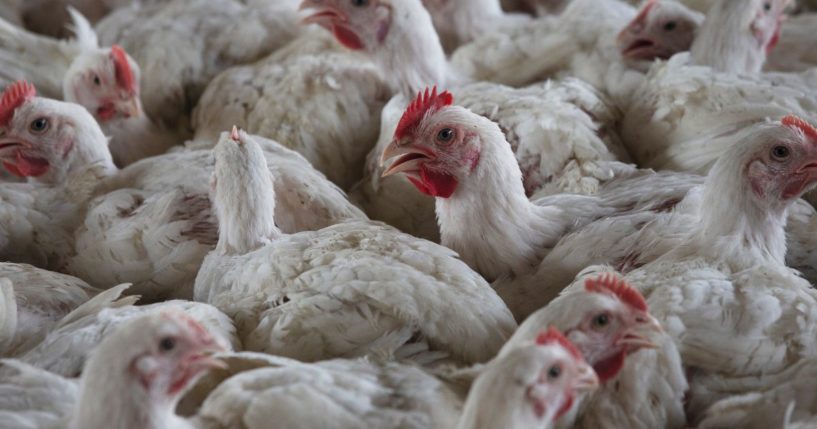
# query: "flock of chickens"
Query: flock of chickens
408,214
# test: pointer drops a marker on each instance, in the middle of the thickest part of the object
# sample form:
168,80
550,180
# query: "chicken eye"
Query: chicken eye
97,82
360,3
39,125
601,320
445,135
780,153
167,344
767,6
669,26
554,372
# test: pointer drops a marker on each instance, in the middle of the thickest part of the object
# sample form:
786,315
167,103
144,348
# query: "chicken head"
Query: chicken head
356,24
47,139
782,162
437,144
539,380
106,83
660,30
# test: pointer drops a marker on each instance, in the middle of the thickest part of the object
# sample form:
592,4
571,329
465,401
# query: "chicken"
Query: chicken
566,144
177,67
688,222
463,160
580,42
341,291
311,96
36,300
642,380
684,113
531,386
461,21
723,291
133,379
103,80
151,223
65,349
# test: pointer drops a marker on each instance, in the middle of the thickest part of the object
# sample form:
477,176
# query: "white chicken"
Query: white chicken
33,301
722,291
103,80
341,291
642,379
311,96
133,379
65,349
151,223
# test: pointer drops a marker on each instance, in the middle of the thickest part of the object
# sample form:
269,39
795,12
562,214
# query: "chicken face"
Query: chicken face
784,165
175,350
614,323
660,30
765,26
47,139
106,83
23,127
435,144
356,24
545,377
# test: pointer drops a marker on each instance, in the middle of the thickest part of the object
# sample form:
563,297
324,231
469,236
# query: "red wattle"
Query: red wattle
26,166
13,169
610,367
347,37
433,183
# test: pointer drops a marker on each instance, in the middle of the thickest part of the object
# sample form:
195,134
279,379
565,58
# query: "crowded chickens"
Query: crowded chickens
471,214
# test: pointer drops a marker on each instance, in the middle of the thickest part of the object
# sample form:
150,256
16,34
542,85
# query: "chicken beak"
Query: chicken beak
586,380
326,11
411,156
131,108
640,335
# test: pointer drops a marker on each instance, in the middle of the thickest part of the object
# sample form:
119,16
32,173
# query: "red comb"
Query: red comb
124,74
611,283
424,103
553,336
800,124
13,97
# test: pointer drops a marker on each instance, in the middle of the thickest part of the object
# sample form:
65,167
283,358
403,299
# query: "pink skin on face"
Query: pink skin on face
180,357
431,157
785,170
356,24
19,156
584,378
659,31
614,334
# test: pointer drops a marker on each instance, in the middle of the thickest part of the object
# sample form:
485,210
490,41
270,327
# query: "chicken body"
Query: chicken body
341,291
36,300
338,97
